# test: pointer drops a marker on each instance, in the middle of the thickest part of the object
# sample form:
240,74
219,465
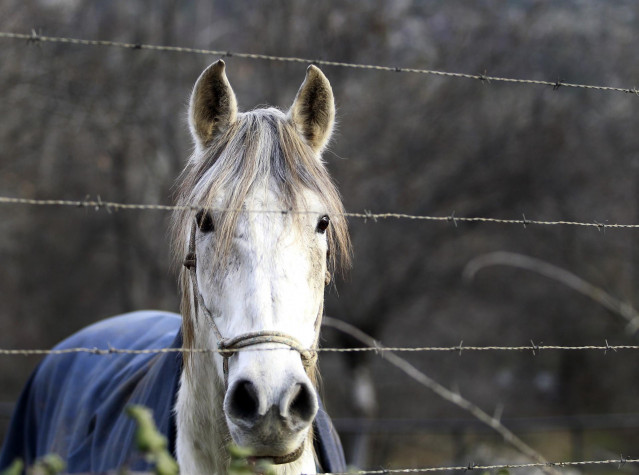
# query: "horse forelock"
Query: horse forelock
260,147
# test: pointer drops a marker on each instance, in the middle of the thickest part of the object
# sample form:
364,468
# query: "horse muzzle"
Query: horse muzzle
272,421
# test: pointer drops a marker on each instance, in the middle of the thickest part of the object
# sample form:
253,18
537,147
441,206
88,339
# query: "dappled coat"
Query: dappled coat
73,404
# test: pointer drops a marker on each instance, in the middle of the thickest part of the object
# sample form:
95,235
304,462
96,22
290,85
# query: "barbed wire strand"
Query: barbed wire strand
34,37
471,466
445,393
533,348
99,204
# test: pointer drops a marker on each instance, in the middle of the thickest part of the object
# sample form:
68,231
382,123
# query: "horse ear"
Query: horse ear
313,111
213,107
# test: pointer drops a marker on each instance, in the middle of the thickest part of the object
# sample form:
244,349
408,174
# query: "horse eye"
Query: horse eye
204,221
322,224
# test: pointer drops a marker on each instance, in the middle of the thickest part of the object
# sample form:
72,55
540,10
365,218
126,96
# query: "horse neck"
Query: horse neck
202,434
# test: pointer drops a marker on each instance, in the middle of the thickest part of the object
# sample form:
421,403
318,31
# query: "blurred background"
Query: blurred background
83,121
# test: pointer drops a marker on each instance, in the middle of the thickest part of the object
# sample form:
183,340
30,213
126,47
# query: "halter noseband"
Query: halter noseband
227,347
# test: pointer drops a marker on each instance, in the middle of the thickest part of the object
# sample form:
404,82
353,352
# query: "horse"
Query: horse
258,231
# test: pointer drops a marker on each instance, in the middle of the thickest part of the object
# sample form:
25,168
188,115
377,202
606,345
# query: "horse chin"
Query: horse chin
270,441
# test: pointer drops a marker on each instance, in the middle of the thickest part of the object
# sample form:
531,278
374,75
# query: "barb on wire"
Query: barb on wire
34,37
472,466
535,348
99,204
443,392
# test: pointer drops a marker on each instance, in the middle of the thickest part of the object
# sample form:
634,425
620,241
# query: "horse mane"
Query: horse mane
262,147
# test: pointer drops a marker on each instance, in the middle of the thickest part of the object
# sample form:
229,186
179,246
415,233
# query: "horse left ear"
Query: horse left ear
313,111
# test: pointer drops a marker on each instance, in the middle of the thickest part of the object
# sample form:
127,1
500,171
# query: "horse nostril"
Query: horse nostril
303,404
244,402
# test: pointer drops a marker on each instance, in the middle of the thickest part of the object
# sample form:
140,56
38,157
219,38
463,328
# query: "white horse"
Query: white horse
258,261
269,215
260,229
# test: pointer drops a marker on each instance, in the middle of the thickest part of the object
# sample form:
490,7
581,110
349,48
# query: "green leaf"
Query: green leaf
147,437
242,465
151,442
50,464
165,464
14,469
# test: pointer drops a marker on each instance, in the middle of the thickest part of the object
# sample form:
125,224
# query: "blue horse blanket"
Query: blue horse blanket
73,405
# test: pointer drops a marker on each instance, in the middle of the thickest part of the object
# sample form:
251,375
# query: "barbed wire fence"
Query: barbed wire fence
533,349
372,346
34,38
99,204
471,466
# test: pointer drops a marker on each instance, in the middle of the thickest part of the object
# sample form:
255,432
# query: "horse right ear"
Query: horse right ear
213,107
